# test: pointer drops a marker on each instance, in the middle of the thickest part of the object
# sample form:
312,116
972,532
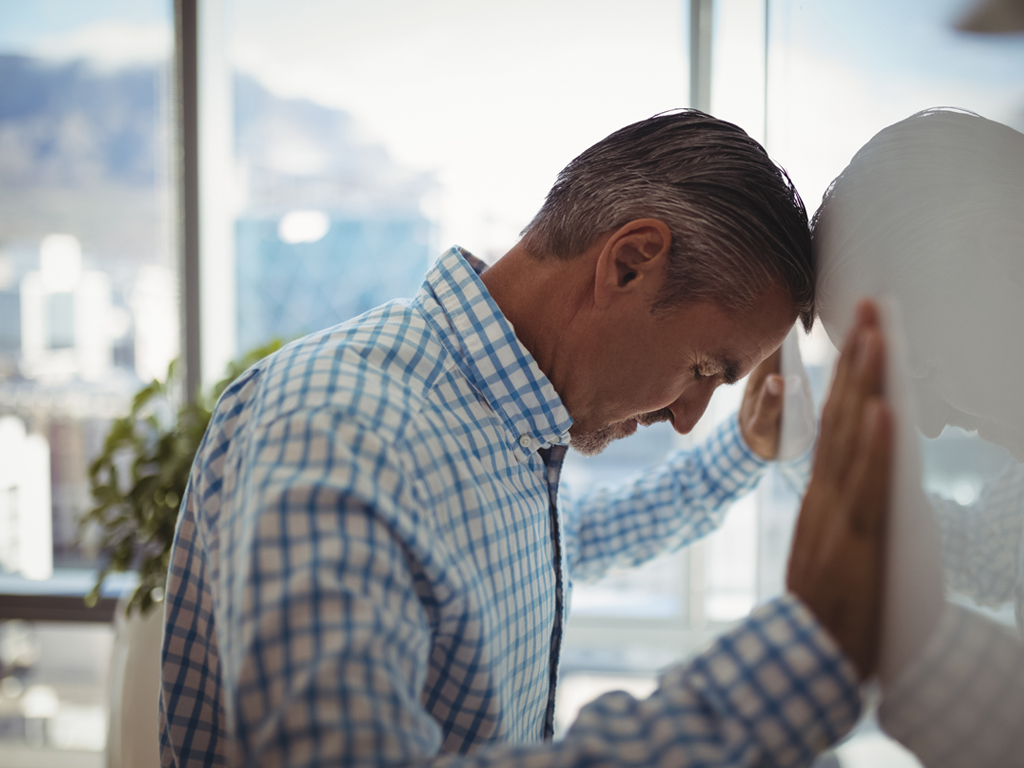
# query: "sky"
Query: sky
115,31
495,97
840,75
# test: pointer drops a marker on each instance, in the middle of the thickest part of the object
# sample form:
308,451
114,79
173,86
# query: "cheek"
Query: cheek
657,393
699,397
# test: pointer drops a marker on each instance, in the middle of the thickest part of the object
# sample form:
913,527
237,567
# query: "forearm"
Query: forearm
676,503
773,692
354,642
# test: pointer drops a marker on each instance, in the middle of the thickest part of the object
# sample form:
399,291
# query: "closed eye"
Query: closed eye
729,371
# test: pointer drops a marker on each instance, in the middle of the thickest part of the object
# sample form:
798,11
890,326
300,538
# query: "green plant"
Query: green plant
139,479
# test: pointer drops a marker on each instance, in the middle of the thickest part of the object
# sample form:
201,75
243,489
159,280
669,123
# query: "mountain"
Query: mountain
72,127
87,152
299,154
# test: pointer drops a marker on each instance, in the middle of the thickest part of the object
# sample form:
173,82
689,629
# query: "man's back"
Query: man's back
363,481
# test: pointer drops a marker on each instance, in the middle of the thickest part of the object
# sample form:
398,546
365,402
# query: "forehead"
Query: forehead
735,340
768,320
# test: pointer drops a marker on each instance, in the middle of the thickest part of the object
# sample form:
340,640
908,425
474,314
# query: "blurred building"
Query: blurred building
65,316
339,269
154,310
328,226
26,535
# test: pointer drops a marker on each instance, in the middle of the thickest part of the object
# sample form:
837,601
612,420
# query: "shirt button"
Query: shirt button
525,441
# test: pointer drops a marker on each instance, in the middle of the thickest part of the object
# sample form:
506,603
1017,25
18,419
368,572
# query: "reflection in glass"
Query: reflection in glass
927,215
837,74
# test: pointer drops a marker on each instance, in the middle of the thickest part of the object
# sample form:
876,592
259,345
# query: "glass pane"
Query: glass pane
53,688
839,73
88,307
88,312
367,138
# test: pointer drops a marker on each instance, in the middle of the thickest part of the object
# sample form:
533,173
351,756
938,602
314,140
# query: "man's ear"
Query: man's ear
633,256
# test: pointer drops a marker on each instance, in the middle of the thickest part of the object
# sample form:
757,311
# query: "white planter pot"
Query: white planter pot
133,735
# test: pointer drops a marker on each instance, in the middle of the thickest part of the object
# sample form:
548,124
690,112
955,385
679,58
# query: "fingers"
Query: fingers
858,378
864,383
768,410
765,369
761,409
871,474
863,537
824,465
839,545
763,424
769,405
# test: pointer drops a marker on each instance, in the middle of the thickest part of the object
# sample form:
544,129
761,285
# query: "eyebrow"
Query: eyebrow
730,369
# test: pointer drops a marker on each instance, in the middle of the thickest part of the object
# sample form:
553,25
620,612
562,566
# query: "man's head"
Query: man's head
697,253
931,212
736,221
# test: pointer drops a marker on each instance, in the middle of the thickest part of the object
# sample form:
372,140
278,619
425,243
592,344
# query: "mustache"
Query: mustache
646,419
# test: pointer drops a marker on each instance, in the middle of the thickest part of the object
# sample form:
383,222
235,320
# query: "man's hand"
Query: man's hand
761,409
836,564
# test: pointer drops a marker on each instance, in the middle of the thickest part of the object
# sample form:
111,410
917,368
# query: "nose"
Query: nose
687,410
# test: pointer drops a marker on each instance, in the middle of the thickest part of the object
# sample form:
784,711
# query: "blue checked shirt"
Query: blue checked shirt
372,567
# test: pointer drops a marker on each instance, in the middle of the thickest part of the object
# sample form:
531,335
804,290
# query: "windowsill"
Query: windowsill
61,597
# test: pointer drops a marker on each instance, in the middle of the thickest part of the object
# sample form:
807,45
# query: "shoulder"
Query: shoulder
378,368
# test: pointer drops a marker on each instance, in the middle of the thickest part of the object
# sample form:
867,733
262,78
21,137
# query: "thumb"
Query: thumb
762,425
769,404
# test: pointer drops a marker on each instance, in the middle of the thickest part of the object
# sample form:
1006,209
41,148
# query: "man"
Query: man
372,566
929,212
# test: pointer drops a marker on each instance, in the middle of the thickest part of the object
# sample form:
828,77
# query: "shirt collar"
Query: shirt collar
490,355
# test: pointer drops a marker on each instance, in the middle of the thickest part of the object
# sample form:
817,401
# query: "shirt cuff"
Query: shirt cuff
783,675
961,702
734,465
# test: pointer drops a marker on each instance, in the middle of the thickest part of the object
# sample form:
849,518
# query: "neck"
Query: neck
542,298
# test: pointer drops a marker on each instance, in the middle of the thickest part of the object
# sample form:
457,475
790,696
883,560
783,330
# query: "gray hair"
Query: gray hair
738,225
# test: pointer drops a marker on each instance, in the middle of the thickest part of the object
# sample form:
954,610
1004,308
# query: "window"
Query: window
87,260
837,76
838,73
88,311
344,146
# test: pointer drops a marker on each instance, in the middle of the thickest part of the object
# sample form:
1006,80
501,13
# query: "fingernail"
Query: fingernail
774,385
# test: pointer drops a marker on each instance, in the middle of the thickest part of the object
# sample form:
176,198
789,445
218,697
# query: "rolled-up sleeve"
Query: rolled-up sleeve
665,508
